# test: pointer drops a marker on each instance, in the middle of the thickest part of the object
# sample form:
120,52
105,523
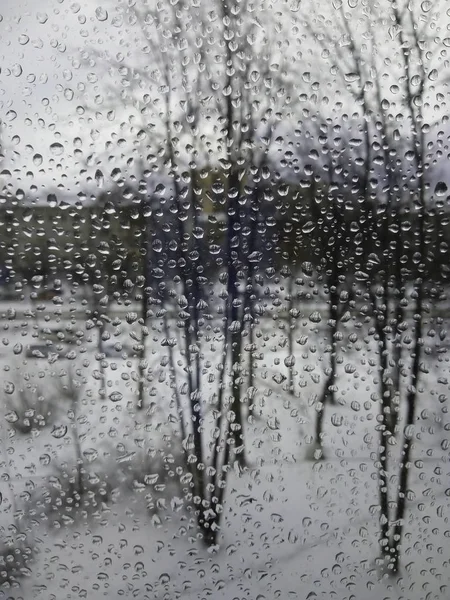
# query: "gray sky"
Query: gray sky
48,140
41,90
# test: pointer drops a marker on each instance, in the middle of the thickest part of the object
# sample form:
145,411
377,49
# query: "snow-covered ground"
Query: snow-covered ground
293,528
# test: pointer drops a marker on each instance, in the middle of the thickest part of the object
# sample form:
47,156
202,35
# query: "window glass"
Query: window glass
224,265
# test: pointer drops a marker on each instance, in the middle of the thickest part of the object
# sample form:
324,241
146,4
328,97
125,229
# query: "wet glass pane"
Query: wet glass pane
224,268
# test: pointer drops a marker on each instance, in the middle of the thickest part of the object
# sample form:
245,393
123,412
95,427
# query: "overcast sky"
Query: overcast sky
48,137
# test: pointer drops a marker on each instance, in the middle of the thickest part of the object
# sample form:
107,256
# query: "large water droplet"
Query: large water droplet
9,387
59,431
289,361
56,149
99,178
101,14
441,188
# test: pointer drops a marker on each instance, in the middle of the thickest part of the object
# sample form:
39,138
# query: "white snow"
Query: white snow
292,528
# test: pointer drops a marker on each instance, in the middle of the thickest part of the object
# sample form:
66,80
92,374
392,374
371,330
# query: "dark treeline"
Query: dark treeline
281,223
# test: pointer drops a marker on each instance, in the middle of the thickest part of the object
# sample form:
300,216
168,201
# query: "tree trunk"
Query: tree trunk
173,376
79,483
237,405
142,365
419,149
411,401
328,393
291,330
235,320
101,331
141,373
384,433
249,301
318,430
398,318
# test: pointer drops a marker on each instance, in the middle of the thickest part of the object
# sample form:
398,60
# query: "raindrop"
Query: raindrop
151,479
59,431
337,419
9,387
307,268
90,454
56,149
315,317
214,249
273,423
101,14
17,70
289,361
292,536
157,246
11,417
440,188
115,396
116,174
99,178
45,459
308,227
276,518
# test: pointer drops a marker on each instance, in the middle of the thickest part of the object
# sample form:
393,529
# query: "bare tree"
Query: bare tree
362,67
69,389
416,69
215,109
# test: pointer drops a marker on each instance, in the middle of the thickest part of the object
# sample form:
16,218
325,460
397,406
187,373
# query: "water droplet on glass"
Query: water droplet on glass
56,149
289,361
59,431
17,70
9,387
115,396
101,14
11,416
337,419
315,317
90,454
99,178
440,188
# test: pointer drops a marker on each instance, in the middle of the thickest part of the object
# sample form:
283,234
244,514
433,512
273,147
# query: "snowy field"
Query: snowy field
293,528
